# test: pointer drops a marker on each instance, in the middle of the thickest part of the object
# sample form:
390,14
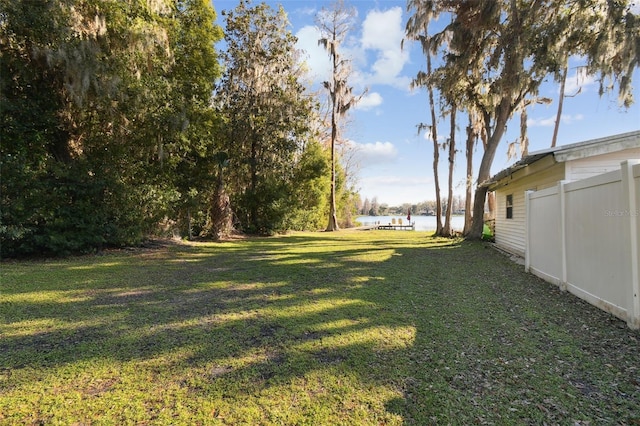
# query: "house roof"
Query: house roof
573,151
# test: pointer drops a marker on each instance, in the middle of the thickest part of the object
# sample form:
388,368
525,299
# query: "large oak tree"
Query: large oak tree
498,52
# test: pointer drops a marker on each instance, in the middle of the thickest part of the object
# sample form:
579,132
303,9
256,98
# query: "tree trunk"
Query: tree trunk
560,104
253,166
333,219
471,138
436,153
447,231
220,215
484,173
475,233
524,139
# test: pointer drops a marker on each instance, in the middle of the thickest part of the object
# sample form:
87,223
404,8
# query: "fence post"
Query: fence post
631,194
563,233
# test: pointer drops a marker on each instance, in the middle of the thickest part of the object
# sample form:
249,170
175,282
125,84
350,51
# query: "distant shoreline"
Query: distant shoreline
422,222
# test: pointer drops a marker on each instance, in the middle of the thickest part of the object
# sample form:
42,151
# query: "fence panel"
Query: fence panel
584,236
544,235
631,174
597,241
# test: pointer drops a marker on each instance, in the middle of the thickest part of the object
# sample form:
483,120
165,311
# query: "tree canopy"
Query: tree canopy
115,115
496,53
94,117
267,113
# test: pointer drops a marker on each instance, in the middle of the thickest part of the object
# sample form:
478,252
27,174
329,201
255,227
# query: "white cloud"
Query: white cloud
443,135
550,121
315,56
307,11
367,154
370,101
382,32
579,81
569,119
381,29
541,122
376,55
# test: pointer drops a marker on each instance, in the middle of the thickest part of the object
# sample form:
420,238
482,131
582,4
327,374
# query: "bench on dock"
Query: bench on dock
394,225
398,227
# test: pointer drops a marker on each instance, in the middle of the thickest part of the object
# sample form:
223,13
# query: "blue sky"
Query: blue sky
393,162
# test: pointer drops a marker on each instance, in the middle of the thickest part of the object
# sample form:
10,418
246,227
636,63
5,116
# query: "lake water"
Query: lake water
423,223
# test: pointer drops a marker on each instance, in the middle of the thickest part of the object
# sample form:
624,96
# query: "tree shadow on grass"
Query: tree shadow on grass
444,332
156,301
233,318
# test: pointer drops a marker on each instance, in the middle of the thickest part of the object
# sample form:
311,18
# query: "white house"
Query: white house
573,213
544,169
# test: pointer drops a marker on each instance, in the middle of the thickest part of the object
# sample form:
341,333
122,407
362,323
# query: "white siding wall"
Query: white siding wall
510,233
597,165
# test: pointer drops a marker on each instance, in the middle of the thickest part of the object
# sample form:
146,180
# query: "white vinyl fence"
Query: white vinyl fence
584,236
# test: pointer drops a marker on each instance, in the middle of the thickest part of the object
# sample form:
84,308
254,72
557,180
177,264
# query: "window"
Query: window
510,206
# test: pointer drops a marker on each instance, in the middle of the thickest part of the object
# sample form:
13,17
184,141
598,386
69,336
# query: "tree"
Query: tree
561,96
191,125
366,207
556,127
474,130
220,216
334,26
310,194
267,114
417,29
99,114
446,229
65,71
502,50
375,207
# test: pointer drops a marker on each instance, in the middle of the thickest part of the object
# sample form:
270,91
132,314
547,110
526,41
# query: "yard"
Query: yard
351,328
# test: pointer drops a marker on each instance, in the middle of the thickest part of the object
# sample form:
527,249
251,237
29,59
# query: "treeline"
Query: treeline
374,208
121,120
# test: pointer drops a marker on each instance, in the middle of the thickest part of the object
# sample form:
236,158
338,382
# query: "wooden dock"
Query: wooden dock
396,227
393,226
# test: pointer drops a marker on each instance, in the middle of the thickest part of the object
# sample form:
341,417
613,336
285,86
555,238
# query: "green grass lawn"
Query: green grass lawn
349,328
